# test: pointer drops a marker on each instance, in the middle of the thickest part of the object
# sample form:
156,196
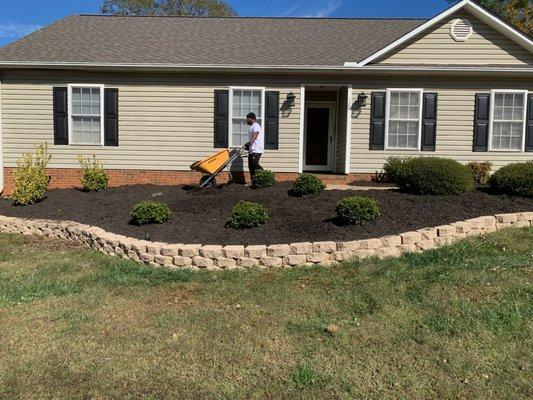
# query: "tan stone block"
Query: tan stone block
133,255
248,262
443,240
139,246
181,261
171,250
233,251
408,248
146,257
343,255
446,230
224,262
255,251
384,252
364,253
489,220
278,250
411,237
271,261
295,259
301,248
474,232
476,223
391,241
154,247
503,225
190,250
462,226
163,260
318,257
426,244
506,218
324,247
202,262
370,244
349,245
525,216
520,224
211,251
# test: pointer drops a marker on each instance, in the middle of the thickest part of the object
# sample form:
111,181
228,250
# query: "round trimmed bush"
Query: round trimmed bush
357,209
392,168
516,178
247,215
433,175
307,184
264,178
150,212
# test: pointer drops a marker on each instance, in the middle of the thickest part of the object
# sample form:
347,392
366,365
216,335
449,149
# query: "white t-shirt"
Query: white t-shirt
258,146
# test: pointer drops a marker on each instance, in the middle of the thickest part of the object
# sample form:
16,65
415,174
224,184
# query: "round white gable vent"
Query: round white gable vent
461,30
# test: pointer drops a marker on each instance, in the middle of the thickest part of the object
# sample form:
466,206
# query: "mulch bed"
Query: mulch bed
199,216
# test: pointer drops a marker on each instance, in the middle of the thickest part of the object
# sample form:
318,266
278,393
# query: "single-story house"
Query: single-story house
151,95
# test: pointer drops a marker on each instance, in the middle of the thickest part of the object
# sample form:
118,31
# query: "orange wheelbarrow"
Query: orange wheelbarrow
213,165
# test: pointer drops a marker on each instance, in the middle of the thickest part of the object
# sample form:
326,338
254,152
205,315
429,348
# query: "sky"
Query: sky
21,17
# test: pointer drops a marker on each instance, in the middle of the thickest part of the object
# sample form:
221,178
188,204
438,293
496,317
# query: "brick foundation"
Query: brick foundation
61,178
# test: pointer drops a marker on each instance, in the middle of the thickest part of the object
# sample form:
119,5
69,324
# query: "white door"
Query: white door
319,131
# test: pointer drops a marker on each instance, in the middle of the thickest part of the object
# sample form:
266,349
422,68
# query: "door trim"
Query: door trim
331,142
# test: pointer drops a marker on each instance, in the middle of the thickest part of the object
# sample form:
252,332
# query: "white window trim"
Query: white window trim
102,99
230,114
387,111
491,119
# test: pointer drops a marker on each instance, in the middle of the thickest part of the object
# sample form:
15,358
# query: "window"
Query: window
85,110
244,101
508,120
404,112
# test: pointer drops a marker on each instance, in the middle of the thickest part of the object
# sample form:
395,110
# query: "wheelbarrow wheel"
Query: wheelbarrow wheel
212,182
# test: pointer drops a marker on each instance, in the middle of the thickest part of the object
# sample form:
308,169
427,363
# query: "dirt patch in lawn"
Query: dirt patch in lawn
200,216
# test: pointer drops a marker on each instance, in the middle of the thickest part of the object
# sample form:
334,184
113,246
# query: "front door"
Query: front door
318,143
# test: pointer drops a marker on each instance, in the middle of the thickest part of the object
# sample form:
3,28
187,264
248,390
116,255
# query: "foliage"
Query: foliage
480,171
357,209
514,178
150,212
433,175
198,8
264,178
516,12
307,184
30,180
247,215
392,168
94,178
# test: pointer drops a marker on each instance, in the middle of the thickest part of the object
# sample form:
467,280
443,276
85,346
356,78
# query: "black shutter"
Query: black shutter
60,116
377,122
111,117
529,123
271,120
481,122
429,122
221,118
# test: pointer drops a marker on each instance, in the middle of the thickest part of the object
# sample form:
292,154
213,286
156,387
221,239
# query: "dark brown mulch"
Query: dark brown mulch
199,217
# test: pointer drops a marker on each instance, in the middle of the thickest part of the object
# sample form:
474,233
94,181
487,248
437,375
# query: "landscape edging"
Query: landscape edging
218,257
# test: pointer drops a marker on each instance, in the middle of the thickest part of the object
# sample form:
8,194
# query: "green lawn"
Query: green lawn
450,323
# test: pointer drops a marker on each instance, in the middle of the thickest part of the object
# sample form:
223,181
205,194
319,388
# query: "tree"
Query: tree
516,12
199,8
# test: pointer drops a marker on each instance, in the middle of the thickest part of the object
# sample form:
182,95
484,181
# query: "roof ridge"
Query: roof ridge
255,17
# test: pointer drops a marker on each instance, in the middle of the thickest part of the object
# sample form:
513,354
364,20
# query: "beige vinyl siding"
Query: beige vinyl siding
165,122
340,131
485,47
455,119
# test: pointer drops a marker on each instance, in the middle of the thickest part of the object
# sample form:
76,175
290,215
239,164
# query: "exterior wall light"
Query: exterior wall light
290,99
361,100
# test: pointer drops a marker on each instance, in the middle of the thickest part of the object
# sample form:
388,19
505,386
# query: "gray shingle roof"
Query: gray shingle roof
208,41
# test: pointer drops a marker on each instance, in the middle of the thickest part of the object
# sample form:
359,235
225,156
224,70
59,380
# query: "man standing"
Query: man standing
255,145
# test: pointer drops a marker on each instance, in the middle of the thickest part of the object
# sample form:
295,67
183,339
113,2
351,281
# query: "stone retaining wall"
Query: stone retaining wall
216,257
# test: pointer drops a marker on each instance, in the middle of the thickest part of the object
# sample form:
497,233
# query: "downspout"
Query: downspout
1,143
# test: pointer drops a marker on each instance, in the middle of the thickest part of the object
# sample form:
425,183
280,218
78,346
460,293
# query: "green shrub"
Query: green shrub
392,168
247,215
29,179
150,212
307,184
264,178
433,175
357,209
480,171
514,178
94,178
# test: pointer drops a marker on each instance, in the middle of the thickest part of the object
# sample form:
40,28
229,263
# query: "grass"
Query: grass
455,322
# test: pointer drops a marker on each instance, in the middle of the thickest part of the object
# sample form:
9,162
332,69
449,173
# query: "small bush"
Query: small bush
357,209
150,212
30,180
247,215
480,171
264,178
94,177
307,184
433,175
392,168
514,178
